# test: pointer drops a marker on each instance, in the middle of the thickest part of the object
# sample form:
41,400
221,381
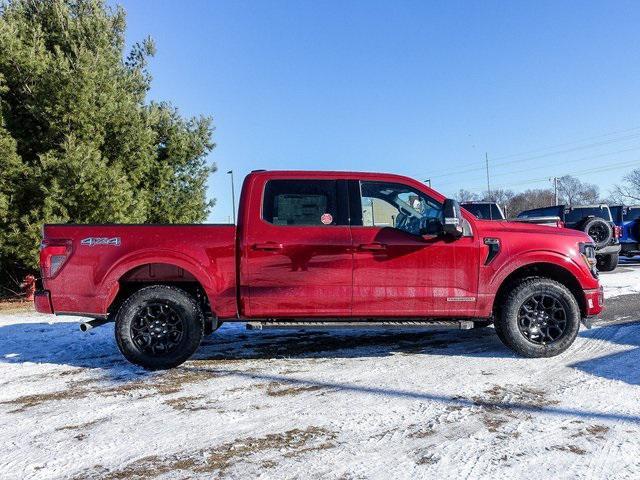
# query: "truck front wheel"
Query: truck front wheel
159,327
539,318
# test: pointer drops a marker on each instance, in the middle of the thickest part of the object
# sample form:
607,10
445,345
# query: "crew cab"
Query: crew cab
595,220
322,248
627,219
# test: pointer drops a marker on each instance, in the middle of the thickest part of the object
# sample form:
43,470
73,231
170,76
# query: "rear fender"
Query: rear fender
110,283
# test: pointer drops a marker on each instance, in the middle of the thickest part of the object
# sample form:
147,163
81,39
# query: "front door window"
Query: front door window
396,205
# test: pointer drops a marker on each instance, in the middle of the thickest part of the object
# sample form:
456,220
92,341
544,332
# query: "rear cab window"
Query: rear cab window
301,202
576,214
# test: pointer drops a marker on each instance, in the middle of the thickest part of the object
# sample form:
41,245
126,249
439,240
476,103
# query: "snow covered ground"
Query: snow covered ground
358,404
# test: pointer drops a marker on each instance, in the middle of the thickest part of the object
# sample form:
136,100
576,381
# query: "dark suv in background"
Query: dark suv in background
595,220
627,218
484,210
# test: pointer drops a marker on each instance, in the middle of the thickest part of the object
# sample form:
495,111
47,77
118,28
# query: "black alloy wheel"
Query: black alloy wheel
157,329
542,319
598,232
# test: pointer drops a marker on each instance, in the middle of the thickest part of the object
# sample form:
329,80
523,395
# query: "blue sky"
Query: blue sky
418,88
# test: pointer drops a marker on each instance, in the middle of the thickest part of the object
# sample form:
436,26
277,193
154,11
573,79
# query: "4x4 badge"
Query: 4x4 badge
93,241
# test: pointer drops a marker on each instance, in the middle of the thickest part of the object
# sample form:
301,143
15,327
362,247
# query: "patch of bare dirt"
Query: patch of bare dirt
593,431
192,403
166,383
16,306
279,389
496,402
80,426
219,459
569,448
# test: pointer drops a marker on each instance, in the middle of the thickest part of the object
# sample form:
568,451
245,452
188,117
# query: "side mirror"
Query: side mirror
432,227
452,218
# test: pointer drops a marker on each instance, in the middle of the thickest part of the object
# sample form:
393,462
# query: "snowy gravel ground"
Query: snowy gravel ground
344,404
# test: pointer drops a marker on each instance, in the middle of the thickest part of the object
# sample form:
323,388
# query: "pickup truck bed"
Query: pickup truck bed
104,257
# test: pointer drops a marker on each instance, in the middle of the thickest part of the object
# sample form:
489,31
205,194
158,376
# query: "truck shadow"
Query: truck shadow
63,344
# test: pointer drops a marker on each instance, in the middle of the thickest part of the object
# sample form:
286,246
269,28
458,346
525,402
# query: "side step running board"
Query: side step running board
398,325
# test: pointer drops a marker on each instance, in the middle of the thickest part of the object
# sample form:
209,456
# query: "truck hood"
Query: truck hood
488,226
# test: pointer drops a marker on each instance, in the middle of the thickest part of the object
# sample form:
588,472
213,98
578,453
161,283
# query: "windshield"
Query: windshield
484,211
576,214
633,213
615,213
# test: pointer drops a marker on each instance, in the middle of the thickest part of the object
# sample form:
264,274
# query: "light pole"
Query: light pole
233,197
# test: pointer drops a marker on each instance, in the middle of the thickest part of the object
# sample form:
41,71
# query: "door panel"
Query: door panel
398,273
294,270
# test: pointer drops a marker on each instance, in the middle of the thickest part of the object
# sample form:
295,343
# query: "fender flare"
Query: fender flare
533,257
110,281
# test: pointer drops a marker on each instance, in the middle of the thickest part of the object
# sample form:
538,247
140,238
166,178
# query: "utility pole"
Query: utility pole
486,160
428,182
233,197
555,189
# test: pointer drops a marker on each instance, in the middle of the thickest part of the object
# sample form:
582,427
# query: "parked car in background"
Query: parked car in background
310,252
627,218
484,210
595,220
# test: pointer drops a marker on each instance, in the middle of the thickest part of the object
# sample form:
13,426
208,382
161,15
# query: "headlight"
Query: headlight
588,254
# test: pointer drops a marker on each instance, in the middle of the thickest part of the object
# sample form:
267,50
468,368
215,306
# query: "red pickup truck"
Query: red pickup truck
322,248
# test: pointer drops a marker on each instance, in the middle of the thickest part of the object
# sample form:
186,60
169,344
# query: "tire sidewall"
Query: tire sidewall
185,307
510,331
608,263
591,222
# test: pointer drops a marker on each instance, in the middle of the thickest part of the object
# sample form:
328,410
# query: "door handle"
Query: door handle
373,247
267,246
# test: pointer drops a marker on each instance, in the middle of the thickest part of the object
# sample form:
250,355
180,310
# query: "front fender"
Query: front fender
569,263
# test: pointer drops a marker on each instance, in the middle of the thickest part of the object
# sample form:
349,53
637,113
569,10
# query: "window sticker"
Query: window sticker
326,218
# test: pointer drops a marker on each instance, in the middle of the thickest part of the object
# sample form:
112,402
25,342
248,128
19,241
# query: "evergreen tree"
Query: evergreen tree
78,142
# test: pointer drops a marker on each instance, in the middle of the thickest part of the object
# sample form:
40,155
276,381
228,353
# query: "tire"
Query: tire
531,334
159,327
607,263
600,231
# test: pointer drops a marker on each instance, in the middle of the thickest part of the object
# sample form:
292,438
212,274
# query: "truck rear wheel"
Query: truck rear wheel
159,327
607,263
540,318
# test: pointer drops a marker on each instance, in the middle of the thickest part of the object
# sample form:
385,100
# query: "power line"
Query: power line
536,157
558,145
581,159
580,173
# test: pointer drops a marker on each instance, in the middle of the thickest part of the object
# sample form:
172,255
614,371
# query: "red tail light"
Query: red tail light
617,231
53,255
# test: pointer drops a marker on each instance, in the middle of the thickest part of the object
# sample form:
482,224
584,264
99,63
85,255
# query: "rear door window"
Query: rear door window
303,203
